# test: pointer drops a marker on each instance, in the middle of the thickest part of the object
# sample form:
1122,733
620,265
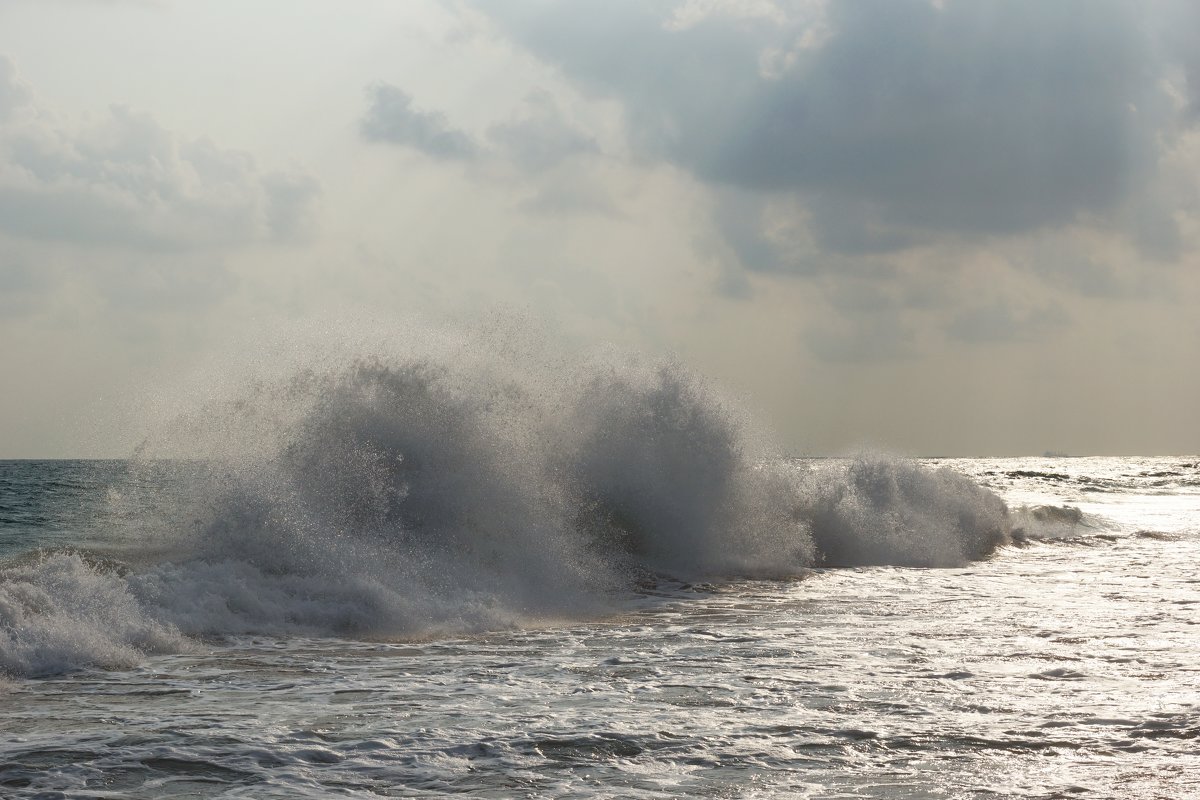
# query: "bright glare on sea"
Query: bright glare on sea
1059,669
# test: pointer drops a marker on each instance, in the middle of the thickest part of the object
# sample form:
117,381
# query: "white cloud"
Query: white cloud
127,181
541,137
120,210
13,94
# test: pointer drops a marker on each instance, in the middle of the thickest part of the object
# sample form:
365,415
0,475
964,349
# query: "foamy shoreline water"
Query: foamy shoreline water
364,602
1056,668
408,496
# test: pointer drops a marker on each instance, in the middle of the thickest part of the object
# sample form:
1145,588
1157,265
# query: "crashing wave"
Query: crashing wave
876,510
410,496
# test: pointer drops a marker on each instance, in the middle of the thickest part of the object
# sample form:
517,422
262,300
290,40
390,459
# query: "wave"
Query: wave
876,510
1160,475
420,495
63,611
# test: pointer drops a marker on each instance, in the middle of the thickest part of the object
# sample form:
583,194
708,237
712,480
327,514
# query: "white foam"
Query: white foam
875,509
61,612
405,493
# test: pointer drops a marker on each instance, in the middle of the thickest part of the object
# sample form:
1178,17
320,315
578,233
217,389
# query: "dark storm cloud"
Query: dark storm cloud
988,117
392,119
901,120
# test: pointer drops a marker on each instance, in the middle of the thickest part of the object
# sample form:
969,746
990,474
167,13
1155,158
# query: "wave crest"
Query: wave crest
876,510
667,471
410,496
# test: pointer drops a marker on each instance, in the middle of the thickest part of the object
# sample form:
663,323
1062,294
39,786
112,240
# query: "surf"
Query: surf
407,492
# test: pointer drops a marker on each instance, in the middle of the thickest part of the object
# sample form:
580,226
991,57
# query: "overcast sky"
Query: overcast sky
938,227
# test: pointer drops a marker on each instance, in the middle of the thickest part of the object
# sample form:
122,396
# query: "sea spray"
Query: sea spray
402,497
672,473
412,491
390,492
875,510
62,611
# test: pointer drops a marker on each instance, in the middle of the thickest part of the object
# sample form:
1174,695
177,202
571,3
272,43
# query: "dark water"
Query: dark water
54,503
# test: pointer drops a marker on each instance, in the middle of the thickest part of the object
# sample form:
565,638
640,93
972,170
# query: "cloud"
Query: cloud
537,139
392,119
290,210
570,193
740,218
118,212
126,181
153,285
537,154
882,336
982,117
891,123
1004,320
1081,270
13,94
20,285
542,137
774,234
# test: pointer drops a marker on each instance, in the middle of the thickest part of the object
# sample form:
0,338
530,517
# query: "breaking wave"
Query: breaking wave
876,510
450,492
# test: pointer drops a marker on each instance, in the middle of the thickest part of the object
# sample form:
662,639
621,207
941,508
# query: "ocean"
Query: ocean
396,584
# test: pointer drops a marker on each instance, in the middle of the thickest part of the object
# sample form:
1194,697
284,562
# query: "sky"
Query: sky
936,227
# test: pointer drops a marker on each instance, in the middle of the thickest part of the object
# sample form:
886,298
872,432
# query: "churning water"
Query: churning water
384,576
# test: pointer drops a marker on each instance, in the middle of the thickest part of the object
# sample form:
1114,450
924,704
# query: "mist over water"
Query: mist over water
440,484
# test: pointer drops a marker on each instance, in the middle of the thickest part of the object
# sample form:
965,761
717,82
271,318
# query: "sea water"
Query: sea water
403,579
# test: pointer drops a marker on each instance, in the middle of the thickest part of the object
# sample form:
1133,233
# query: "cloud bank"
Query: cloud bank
125,181
893,122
